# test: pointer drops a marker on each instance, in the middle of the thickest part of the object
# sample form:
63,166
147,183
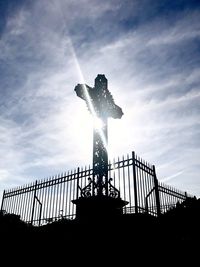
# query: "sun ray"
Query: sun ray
81,76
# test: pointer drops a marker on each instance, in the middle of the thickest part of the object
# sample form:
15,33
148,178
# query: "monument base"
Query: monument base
98,207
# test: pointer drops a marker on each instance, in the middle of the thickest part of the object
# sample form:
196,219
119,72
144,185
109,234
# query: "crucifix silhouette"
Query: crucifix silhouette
101,106
99,198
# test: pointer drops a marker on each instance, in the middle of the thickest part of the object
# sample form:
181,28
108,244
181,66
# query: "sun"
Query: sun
97,123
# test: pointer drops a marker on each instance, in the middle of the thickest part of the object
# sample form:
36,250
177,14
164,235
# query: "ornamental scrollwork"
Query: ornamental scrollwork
113,191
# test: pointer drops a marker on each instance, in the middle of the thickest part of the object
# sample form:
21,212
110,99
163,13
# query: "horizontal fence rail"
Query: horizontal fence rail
45,201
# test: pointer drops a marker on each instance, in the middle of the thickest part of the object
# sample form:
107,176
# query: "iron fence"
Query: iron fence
50,199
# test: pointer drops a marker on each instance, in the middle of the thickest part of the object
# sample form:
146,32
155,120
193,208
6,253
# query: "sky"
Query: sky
149,50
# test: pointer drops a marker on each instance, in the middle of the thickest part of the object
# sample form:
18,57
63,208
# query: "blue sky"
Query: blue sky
149,51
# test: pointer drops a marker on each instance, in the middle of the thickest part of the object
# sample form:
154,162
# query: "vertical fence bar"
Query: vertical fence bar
49,199
118,173
31,199
63,195
11,204
114,183
5,202
145,182
77,189
129,184
8,203
39,209
161,202
60,195
57,197
142,185
124,181
54,198
156,192
70,193
4,206
17,202
33,208
29,205
14,206
138,171
81,183
41,196
40,213
147,187
43,199
85,180
67,193
2,202
24,204
135,183
74,193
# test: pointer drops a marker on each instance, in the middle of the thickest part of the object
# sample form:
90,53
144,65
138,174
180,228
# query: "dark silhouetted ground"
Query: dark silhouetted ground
120,238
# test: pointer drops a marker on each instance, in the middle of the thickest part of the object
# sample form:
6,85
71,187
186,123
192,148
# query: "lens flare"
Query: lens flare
98,123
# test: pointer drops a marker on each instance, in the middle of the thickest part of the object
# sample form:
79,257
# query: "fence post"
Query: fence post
156,192
2,200
146,205
33,202
78,171
40,211
40,215
135,183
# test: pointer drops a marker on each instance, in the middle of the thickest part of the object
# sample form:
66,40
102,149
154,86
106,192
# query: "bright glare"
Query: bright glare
98,123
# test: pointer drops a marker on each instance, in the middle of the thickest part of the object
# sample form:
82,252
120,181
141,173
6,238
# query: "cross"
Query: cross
101,105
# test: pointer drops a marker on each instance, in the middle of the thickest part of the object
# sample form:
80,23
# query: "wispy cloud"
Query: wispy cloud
185,28
152,66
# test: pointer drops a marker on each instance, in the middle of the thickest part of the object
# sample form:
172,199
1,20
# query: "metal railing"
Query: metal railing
47,200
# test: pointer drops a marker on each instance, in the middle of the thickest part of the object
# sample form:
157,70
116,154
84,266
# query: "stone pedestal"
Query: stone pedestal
98,207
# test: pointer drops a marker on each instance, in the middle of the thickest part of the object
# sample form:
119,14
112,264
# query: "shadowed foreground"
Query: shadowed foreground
118,237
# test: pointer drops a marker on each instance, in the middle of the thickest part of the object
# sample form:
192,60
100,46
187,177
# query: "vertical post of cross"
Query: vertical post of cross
100,140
